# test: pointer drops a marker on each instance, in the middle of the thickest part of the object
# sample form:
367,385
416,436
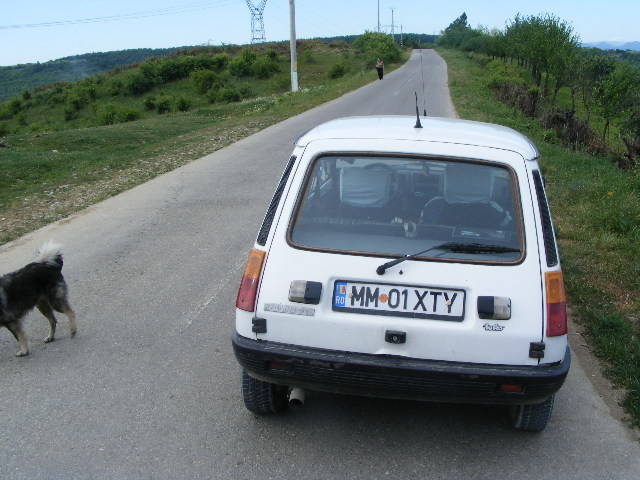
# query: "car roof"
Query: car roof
435,129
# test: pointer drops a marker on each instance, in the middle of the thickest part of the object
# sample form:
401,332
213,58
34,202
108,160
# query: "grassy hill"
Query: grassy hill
17,78
66,146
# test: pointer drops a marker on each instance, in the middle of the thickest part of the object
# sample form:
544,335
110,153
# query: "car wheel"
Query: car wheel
532,418
263,397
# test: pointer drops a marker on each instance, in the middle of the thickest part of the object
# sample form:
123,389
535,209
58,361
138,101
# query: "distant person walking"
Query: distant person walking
380,68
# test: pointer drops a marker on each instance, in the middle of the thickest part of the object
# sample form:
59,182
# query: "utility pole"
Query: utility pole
393,32
378,16
401,39
292,46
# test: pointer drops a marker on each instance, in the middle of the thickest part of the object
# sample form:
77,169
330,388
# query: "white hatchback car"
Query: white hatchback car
406,262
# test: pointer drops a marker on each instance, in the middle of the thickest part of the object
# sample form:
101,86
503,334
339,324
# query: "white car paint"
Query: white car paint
472,340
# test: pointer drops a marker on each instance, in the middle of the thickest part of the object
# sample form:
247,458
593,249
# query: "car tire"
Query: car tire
532,418
262,397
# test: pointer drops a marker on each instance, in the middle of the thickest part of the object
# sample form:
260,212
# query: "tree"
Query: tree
373,45
616,93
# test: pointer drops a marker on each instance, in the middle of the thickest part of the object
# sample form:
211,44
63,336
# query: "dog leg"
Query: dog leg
47,311
62,305
21,337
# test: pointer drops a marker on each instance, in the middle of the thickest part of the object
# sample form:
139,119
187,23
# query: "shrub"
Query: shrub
75,102
212,95
228,95
128,115
203,80
107,114
338,70
307,57
264,67
372,45
15,105
69,113
115,87
241,65
281,83
163,104
137,83
271,54
150,103
150,70
5,114
26,95
4,129
246,91
220,61
183,104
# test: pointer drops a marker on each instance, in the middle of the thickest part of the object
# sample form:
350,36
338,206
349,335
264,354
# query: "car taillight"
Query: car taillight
246,299
556,304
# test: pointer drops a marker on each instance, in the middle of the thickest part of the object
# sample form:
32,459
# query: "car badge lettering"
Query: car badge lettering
290,309
493,327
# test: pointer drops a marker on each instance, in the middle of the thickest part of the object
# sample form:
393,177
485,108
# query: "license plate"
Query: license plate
399,300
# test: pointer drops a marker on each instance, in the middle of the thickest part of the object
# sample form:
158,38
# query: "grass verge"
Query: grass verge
46,176
596,212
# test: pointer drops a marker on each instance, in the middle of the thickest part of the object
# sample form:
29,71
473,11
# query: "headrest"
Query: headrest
365,187
468,183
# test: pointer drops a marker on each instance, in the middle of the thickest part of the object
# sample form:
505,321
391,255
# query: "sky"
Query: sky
74,27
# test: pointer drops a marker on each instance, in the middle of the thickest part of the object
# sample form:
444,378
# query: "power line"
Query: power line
177,9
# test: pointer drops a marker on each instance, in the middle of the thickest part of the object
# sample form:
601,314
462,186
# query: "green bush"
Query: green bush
246,91
15,105
183,104
281,83
138,83
241,65
4,129
26,95
5,114
150,103
374,45
228,95
212,95
107,114
163,104
128,115
307,57
271,54
203,80
264,67
115,87
220,61
338,70
69,112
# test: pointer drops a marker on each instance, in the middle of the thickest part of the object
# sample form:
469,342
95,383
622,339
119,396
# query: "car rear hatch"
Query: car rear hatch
475,295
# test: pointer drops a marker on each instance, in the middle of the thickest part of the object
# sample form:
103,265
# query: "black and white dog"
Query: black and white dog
38,284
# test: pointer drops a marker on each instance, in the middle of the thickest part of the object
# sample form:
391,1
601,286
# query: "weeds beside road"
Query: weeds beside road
596,212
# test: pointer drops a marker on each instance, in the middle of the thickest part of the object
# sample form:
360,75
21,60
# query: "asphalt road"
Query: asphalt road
149,389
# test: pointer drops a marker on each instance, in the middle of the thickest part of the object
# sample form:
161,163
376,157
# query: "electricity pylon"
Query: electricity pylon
257,22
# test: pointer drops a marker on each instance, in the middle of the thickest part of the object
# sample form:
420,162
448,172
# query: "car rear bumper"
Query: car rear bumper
396,377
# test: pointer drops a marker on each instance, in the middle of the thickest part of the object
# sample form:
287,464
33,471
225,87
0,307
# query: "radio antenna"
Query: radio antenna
418,124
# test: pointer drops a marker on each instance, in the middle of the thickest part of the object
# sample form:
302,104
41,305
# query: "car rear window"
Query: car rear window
388,206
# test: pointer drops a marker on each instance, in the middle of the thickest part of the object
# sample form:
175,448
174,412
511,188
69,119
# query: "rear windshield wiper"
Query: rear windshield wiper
450,247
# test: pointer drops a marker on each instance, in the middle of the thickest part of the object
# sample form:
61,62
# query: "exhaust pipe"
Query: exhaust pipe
296,398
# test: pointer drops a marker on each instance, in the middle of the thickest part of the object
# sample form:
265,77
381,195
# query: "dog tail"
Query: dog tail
50,253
